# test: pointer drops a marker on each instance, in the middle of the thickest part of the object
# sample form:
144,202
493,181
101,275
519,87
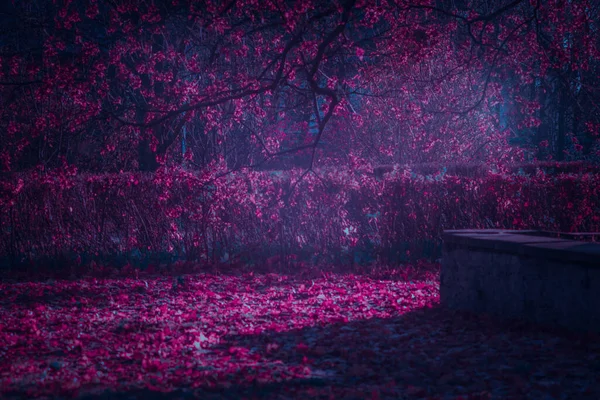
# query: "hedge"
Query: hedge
253,217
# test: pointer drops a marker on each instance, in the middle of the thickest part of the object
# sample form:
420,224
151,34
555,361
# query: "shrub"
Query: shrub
247,217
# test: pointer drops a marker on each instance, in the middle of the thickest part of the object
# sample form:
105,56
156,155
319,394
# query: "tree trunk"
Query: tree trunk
562,126
146,157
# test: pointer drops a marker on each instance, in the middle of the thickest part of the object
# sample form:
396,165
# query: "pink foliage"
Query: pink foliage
215,216
393,81
145,127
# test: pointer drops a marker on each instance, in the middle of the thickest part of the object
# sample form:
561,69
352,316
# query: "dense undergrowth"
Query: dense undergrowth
327,217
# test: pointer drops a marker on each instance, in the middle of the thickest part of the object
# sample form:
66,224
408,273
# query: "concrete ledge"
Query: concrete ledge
522,274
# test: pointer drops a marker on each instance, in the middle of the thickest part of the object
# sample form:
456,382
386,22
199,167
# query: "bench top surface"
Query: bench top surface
531,243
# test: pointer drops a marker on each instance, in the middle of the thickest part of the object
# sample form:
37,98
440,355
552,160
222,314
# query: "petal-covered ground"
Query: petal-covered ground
338,336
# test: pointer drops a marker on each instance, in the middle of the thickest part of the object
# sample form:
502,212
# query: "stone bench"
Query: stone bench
523,274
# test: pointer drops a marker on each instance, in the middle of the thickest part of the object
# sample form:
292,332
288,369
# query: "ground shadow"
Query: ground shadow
437,352
421,269
431,352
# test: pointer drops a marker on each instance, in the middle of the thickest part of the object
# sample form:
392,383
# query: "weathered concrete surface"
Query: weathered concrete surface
542,279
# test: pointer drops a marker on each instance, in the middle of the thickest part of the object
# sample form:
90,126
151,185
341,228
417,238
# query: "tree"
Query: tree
110,85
